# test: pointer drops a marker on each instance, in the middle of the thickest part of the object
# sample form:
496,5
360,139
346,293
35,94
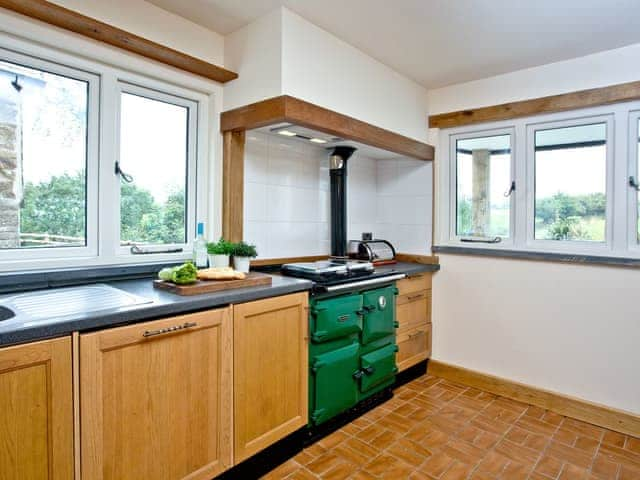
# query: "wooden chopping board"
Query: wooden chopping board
253,279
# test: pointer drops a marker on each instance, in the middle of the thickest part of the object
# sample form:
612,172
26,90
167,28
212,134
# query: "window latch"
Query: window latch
512,189
634,183
481,240
124,176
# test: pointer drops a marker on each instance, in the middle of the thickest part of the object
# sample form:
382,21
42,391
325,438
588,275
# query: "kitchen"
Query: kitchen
323,370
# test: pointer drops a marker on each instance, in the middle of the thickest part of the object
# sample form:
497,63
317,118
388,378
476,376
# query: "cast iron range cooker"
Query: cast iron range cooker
352,321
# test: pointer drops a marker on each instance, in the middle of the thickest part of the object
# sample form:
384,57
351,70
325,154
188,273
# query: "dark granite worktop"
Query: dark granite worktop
165,304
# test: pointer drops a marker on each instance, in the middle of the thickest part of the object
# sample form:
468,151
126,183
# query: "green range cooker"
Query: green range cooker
352,333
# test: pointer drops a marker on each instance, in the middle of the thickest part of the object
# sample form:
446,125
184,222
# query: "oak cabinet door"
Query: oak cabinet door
156,399
36,411
270,371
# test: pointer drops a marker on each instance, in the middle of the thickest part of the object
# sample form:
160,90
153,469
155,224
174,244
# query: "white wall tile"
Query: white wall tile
255,202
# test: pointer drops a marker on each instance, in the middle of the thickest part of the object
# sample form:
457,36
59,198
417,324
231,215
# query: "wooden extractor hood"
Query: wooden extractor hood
234,123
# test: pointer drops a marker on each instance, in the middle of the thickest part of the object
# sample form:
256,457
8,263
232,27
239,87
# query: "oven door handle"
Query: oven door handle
364,283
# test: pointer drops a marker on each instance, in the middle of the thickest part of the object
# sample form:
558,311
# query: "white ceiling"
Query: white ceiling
442,42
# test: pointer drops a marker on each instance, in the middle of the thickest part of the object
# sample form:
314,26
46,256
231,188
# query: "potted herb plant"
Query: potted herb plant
219,253
242,255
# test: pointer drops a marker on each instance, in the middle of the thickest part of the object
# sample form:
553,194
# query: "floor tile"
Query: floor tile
434,429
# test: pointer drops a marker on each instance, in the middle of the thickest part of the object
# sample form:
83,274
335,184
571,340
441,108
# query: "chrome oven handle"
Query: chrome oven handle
365,283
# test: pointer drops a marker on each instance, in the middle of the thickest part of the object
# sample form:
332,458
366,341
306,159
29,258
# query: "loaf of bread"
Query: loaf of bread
220,273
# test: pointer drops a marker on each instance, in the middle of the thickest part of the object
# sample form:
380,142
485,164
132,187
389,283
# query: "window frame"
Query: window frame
91,162
191,206
453,185
633,169
621,213
570,245
111,66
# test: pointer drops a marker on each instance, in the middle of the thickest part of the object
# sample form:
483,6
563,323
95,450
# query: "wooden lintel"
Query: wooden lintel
299,112
89,27
556,103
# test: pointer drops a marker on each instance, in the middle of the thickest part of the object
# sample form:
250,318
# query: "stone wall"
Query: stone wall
10,153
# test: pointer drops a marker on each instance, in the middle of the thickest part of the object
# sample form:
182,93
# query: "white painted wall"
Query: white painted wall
320,68
153,23
573,329
255,53
283,54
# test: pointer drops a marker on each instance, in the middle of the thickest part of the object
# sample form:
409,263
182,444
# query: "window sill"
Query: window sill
540,256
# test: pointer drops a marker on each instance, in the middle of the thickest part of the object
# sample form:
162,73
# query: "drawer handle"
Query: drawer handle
415,297
417,334
175,328
415,276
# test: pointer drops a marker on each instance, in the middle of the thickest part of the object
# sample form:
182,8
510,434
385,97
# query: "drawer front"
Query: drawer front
413,309
334,386
336,317
379,308
415,283
378,367
413,346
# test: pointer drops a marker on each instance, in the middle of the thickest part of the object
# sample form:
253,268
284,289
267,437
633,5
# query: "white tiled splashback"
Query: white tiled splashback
286,204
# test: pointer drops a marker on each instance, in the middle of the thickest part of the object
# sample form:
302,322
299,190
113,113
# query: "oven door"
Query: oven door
379,308
336,317
378,368
334,386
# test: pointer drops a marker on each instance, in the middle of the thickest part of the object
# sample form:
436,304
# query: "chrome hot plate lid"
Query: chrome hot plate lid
330,267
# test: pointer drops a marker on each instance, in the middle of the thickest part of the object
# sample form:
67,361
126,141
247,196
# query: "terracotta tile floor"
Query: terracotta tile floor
435,429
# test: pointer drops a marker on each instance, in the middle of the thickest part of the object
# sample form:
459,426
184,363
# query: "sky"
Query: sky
153,134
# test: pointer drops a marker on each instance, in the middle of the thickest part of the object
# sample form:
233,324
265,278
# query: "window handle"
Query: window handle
481,240
512,189
124,176
634,183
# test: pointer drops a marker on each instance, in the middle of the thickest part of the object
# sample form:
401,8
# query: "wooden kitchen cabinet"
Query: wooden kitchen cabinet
156,399
36,411
270,371
413,312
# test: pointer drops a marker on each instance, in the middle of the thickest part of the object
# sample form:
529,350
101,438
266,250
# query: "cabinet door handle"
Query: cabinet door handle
415,276
417,334
175,328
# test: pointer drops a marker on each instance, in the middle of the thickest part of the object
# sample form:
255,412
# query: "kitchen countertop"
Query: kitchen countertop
165,304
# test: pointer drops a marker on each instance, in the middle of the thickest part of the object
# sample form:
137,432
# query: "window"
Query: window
570,183
155,157
483,176
46,155
95,160
564,183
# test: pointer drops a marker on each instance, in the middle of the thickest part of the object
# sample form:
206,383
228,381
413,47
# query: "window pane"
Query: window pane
153,151
43,158
570,183
483,177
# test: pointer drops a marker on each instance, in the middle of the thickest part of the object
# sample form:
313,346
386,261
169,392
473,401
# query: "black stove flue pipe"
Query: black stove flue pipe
338,172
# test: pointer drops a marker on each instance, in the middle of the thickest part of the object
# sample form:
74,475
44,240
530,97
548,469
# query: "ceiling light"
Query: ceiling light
317,140
286,133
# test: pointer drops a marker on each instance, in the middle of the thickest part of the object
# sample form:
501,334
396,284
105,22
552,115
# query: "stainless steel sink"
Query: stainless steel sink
44,305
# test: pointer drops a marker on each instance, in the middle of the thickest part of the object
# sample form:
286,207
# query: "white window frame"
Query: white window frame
633,171
110,67
600,248
192,159
453,185
91,163
621,211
